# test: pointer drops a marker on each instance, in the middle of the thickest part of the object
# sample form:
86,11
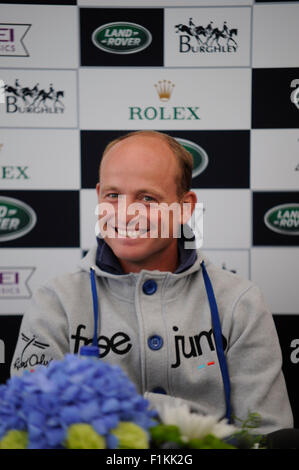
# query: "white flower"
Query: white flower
193,425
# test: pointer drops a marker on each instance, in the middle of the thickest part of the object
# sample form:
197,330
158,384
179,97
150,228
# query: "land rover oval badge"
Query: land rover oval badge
283,219
200,156
121,38
16,218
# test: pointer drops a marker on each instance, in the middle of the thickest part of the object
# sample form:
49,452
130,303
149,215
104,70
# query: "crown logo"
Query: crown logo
164,89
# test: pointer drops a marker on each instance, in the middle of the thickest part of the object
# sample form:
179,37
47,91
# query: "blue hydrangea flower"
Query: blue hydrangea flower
45,403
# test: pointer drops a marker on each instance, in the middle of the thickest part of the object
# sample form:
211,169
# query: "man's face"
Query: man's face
139,169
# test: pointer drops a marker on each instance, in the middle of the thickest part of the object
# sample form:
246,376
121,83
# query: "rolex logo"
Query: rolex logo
164,113
164,89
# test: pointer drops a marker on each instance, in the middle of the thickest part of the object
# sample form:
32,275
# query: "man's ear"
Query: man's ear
98,189
188,202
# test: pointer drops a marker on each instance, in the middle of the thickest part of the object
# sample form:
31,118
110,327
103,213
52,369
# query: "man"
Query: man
154,310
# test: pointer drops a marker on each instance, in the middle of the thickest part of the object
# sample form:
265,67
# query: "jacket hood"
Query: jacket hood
89,260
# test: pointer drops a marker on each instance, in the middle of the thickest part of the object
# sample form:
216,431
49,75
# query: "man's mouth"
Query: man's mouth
130,233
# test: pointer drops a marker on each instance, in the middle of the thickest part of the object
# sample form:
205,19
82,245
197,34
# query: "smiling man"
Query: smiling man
184,330
144,171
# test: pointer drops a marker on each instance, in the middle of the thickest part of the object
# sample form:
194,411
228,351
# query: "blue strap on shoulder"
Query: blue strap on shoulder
93,350
218,340
95,306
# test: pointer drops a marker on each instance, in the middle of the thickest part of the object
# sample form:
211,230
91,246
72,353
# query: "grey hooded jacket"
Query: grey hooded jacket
163,340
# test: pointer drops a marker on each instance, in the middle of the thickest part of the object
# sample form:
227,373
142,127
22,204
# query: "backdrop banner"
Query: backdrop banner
222,77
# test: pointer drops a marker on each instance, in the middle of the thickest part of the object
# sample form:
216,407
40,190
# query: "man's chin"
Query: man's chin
125,243
131,250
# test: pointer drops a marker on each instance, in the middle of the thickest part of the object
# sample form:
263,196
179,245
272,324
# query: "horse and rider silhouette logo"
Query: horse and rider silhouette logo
209,35
35,97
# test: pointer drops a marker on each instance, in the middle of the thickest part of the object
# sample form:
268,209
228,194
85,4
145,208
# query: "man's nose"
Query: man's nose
131,211
123,211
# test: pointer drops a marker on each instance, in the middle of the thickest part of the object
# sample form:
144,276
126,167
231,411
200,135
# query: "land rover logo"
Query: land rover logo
283,219
200,156
121,38
16,219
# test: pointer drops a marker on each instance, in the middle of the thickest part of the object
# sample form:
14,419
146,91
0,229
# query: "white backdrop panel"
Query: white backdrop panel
220,98
276,272
275,35
26,269
88,219
39,98
236,261
47,160
50,42
193,52
275,159
227,218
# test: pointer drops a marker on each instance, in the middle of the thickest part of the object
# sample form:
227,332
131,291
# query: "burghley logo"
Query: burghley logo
11,39
206,39
283,219
16,219
200,156
164,90
121,38
20,99
295,93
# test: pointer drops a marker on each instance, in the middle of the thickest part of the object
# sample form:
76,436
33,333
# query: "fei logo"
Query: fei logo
14,282
11,39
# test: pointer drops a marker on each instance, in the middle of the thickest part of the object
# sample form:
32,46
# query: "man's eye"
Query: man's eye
149,198
112,195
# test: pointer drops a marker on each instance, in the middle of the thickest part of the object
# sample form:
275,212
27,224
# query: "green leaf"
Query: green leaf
166,433
209,442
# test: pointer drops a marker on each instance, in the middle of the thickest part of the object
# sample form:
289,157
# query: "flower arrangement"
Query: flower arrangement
181,428
80,403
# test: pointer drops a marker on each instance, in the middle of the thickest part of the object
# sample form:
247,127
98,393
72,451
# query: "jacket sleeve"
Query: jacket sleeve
255,364
43,334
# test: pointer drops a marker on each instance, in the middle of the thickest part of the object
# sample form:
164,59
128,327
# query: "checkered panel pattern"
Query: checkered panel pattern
222,77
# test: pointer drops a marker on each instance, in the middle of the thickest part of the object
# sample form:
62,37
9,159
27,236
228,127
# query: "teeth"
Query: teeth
130,233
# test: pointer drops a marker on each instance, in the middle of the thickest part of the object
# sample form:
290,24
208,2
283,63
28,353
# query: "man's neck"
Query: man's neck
168,262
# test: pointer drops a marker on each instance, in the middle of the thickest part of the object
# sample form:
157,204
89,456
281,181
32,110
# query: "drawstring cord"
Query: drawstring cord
218,340
94,350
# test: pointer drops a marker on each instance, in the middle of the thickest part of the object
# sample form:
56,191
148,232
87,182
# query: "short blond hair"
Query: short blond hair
183,157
